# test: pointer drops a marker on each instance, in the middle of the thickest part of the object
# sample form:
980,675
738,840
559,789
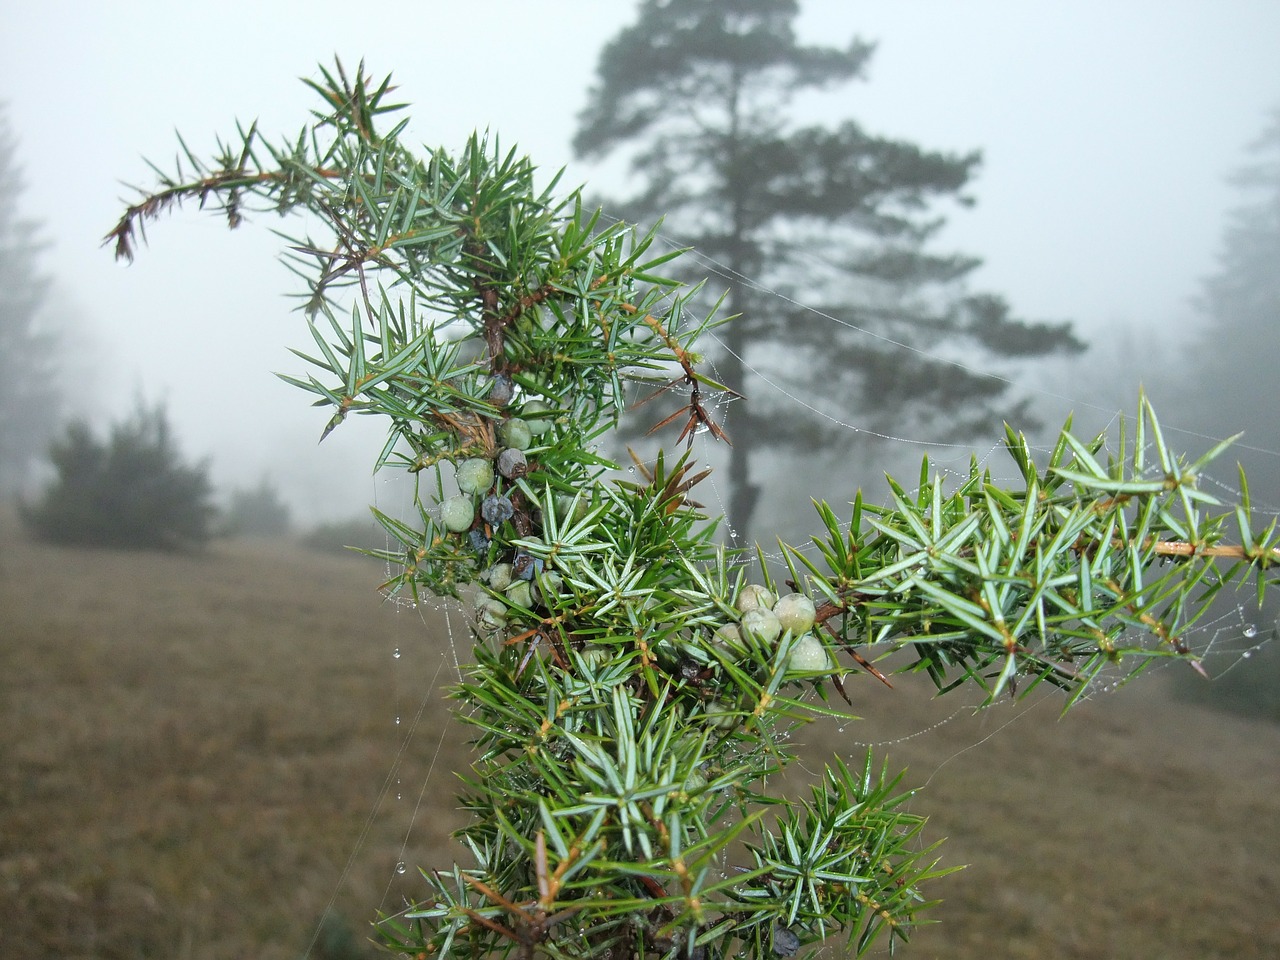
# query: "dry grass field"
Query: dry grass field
199,753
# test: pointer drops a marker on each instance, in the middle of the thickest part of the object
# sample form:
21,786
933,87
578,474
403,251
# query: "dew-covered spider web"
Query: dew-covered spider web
935,733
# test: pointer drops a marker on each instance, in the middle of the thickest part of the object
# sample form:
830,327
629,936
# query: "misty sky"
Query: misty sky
1108,128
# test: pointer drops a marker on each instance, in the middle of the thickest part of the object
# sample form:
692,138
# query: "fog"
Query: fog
197,742
1107,132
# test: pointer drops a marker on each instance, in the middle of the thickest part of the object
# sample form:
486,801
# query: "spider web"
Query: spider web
1227,640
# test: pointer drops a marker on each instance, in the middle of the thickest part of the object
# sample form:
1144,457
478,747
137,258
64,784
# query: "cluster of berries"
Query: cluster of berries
476,476
483,504
523,582
763,619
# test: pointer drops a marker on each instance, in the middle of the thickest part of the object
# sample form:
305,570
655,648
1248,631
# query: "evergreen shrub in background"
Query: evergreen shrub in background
132,489
256,512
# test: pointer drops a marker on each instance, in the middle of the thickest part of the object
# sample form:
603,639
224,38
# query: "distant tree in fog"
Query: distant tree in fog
132,489
836,218
1229,379
257,512
1238,365
28,348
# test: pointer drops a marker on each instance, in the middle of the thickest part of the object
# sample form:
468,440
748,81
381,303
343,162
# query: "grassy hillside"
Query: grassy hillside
192,747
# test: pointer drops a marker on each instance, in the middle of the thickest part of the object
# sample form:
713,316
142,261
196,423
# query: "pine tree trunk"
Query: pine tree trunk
743,494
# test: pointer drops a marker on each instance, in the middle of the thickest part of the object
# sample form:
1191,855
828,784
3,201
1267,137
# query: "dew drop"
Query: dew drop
1250,630
400,867
396,653
1247,654
397,721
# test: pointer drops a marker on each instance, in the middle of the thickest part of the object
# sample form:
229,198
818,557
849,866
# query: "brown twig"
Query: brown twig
534,920
697,413
1180,548
152,205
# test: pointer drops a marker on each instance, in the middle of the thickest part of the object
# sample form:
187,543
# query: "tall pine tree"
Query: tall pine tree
28,348
1228,377
872,328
